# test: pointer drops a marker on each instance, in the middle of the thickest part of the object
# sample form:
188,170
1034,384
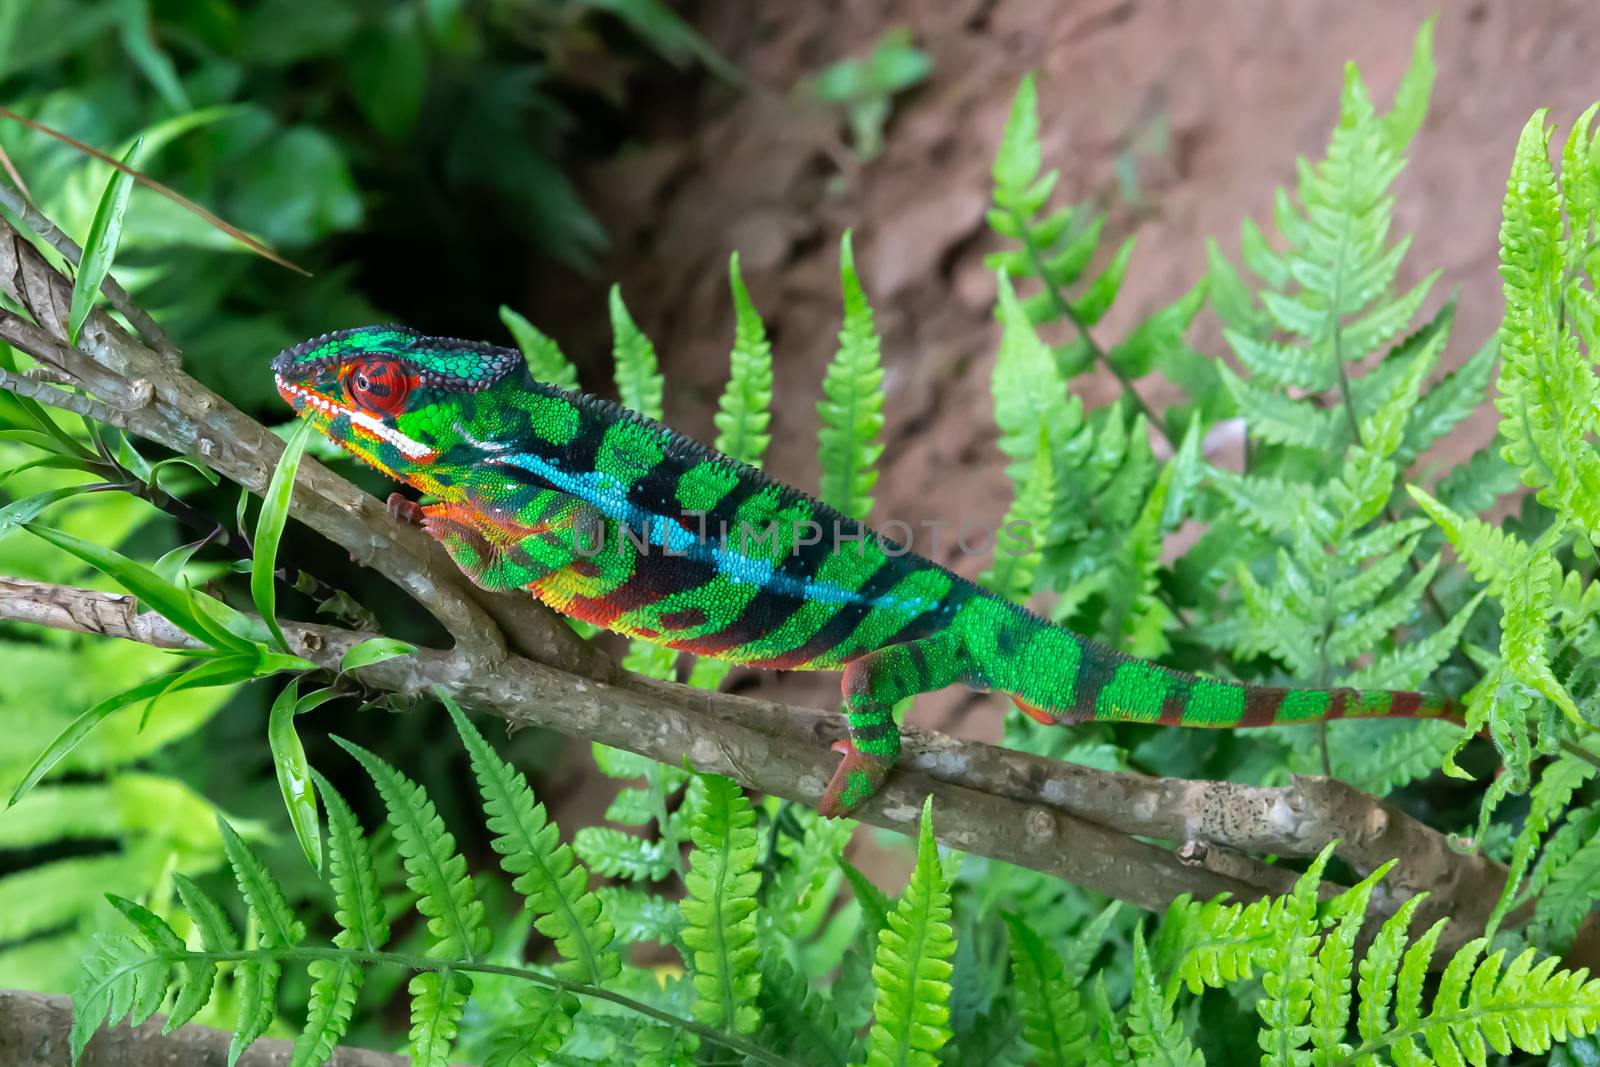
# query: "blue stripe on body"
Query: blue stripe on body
610,497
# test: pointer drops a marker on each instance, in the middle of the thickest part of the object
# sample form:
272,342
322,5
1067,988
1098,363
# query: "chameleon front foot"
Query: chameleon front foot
404,508
857,777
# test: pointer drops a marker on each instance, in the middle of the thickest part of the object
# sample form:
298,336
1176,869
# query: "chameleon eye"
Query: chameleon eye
378,386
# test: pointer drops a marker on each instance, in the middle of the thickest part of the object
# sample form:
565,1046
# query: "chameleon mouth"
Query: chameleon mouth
411,449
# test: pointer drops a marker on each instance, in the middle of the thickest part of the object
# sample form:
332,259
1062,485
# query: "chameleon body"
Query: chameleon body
611,517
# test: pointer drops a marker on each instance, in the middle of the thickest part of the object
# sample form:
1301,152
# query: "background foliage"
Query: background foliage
699,925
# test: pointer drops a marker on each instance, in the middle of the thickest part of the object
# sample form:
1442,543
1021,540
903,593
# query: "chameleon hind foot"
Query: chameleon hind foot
857,777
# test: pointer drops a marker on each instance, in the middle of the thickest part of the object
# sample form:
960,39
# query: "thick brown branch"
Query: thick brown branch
1074,822
34,1031
156,400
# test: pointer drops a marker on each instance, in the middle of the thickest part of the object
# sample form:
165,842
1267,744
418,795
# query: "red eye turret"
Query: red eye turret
379,386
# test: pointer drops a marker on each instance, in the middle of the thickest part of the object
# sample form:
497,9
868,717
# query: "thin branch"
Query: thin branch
157,401
1063,819
154,186
35,1029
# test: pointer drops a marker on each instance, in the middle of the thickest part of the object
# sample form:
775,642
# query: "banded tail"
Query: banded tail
1056,676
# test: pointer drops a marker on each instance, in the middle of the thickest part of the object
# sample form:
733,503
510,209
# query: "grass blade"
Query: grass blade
101,246
269,531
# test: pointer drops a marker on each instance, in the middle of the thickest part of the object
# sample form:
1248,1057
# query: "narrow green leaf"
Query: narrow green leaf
269,531
719,908
374,650
24,510
100,247
294,774
69,738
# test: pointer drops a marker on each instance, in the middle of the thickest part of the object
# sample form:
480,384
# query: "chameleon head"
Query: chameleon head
389,395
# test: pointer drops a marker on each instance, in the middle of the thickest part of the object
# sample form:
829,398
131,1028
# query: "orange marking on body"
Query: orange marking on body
1037,714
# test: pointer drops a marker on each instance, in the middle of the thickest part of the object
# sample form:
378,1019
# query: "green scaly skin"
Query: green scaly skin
608,516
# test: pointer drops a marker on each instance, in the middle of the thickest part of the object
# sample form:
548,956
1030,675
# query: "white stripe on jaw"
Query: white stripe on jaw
377,427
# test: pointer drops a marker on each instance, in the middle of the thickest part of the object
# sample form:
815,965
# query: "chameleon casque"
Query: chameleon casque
609,516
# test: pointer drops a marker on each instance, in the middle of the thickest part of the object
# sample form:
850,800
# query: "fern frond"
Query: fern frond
852,408
1210,944
1053,1020
1547,389
617,854
357,896
438,999
543,1025
911,1013
719,909
1331,973
798,1019
545,359
1156,1037
640,916
438,873
1287,966
335,984
121,980
546,872
743,411
257,980
640,385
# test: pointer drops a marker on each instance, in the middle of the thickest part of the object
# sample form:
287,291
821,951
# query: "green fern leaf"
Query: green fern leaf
1016,165
743,412
617,854
357,896
257,980
719,909
1407,665
545,871
1053,1020
438,872
1568,896
1379,969
640,916
438,999
1331,973
545,360
1018,553
852,408
798,1019
120,980
1156,1037
911,1014
543,1025
1287,967
163,942
335,984
1211,944
639,381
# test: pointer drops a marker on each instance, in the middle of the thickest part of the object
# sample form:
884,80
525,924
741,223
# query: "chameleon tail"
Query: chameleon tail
1107,685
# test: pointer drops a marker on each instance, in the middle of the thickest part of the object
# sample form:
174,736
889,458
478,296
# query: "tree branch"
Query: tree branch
34,1029
1062,819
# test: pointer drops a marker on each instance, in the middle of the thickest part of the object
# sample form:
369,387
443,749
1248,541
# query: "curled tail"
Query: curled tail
1056,676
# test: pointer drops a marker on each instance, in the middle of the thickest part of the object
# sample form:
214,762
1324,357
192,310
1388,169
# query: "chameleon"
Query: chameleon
611,517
